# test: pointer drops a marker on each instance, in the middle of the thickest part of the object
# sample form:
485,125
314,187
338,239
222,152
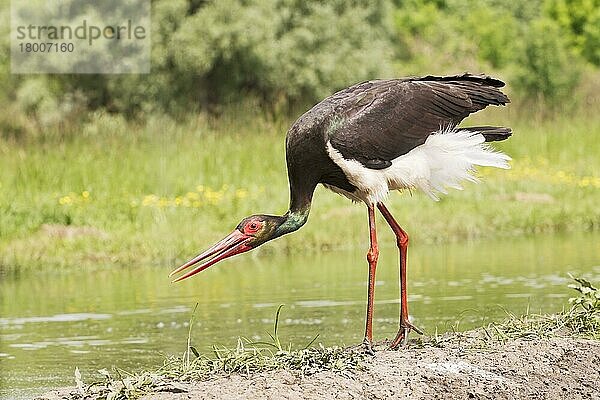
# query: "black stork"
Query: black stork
371,138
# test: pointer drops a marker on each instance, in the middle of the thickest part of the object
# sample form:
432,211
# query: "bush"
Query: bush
283,49
580,19
455,35
495,33
276,53
427,39
546,68
280,51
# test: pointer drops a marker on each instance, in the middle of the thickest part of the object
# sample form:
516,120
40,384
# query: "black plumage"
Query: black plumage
377,121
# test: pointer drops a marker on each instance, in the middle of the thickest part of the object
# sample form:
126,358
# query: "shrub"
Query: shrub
283,49
546,68
580,19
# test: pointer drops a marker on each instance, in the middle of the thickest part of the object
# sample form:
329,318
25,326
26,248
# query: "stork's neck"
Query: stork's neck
293,221
297,215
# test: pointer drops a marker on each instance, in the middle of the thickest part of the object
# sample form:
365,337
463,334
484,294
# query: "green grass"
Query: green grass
159,191
582,319
245,359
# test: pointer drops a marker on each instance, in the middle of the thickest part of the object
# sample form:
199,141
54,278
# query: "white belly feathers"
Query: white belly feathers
444,160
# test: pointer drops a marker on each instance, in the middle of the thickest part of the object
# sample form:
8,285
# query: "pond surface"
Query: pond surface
52,322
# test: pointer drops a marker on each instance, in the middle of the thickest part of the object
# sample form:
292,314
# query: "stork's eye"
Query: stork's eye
252,227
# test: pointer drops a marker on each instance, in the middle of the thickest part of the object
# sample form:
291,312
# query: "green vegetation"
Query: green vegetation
580,19
582,319
160,198
245,359
287,54
112,192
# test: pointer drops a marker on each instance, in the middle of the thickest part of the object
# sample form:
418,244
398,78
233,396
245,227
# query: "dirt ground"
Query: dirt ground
557,368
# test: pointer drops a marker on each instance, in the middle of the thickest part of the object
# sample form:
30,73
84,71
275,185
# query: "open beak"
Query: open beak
232,244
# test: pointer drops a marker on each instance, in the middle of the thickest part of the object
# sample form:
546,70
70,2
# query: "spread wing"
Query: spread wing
376,121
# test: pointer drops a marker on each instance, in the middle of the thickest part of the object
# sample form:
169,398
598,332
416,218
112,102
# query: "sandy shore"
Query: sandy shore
463,368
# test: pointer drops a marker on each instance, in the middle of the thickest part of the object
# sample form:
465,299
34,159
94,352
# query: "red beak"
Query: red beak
232,244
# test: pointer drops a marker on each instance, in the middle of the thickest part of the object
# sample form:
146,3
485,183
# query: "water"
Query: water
52,322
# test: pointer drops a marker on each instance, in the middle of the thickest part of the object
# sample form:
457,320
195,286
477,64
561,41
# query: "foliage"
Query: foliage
580,19
584,315
283,48
222,51
285,54
425,36
481,35
496,33
547,69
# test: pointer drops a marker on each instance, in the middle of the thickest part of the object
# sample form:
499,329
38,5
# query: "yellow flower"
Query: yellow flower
213,197
585,182
163,203
65,200
85,194
149,200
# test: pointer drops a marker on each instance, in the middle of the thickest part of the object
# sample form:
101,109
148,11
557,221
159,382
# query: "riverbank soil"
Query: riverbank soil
457,367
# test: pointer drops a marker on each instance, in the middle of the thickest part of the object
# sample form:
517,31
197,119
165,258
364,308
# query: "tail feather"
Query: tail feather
490,133
453,155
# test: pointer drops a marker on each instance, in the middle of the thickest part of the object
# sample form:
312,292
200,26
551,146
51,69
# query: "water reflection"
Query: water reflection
52,322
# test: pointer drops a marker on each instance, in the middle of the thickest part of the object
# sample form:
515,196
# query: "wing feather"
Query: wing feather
382,120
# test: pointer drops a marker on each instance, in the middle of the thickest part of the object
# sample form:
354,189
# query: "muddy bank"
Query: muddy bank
461,368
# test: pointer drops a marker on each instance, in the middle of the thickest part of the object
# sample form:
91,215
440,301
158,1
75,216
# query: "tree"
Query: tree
580,19
546,68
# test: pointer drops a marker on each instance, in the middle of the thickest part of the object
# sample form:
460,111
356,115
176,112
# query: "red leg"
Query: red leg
402,241
372,257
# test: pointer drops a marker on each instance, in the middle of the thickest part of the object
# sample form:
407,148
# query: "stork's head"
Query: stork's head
250,233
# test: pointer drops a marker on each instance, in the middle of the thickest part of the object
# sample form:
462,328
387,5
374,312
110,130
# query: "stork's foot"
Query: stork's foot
368,347
402,336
